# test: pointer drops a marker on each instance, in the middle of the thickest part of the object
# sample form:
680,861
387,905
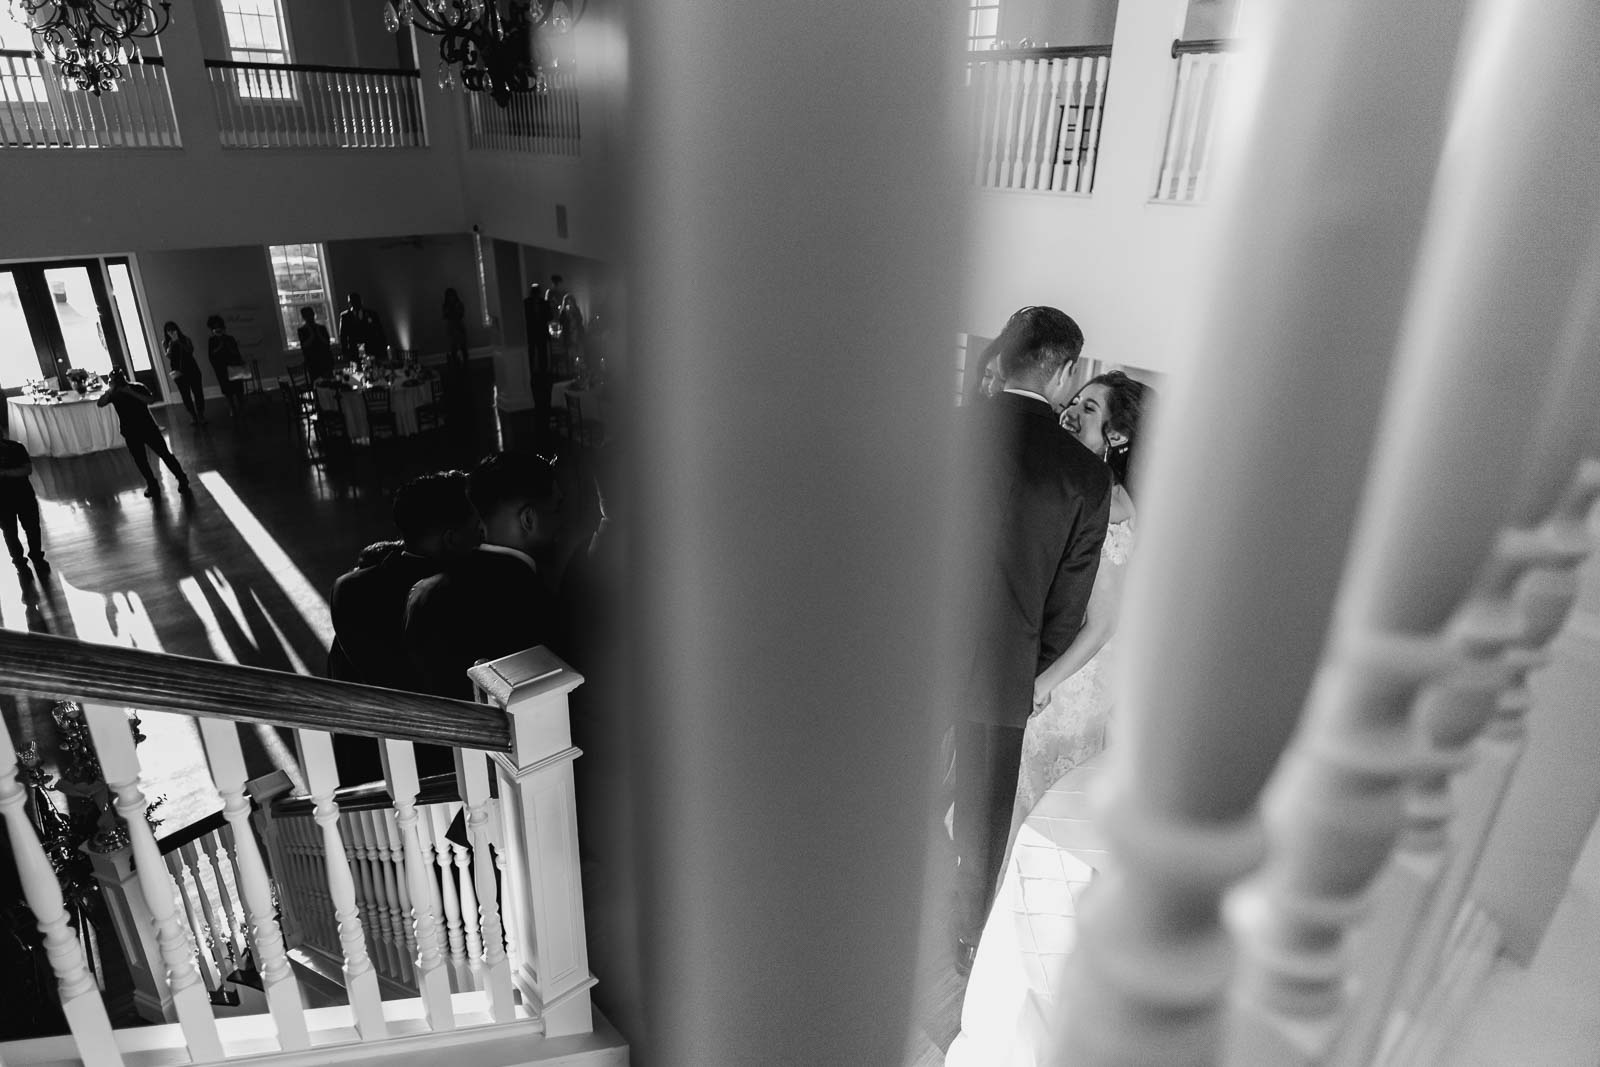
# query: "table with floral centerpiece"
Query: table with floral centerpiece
48,422
347,395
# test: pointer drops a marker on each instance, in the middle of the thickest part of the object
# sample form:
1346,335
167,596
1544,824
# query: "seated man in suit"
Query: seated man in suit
492,602
437,524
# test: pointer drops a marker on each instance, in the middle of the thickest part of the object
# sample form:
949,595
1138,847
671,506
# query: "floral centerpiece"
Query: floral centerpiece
79,379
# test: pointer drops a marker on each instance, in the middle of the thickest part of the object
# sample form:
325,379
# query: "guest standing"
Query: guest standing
140,432
315,345
19,504
536,317
185,372
1041,512
227,363
360,325
455,326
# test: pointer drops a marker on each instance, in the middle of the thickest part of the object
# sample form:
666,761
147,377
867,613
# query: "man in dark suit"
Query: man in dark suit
492,602
140,432
1043,504
368,605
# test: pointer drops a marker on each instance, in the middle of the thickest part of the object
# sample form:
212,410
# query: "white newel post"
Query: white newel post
541,835
130,916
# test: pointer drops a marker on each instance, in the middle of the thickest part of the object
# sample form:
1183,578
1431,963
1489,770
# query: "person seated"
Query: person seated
492,602
437,524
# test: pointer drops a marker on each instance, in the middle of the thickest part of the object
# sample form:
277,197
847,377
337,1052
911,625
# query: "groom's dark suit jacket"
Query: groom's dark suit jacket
1044,501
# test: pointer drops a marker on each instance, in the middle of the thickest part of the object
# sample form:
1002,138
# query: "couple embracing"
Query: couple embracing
1048,575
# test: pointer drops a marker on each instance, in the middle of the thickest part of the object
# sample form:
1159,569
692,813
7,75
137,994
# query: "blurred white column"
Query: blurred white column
794,275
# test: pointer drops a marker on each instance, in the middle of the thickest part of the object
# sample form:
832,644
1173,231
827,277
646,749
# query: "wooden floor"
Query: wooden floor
241,573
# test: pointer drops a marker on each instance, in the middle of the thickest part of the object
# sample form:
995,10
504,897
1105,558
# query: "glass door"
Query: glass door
129,317
56,317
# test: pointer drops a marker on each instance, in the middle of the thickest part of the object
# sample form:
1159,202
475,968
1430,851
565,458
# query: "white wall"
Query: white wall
1120,265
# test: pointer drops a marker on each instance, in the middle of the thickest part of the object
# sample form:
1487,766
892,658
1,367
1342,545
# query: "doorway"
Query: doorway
71,314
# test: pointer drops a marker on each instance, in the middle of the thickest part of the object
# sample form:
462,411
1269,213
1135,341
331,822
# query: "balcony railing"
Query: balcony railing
36,112
1036,116
293,105
335,876
544,123
1191,129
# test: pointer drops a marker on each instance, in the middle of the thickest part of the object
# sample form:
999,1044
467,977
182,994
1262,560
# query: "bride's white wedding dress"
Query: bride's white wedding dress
1005,1018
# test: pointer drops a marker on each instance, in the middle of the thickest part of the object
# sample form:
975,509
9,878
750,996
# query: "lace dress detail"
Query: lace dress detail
1072,727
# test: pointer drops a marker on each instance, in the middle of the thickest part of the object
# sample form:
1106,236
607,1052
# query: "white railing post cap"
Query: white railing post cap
523,675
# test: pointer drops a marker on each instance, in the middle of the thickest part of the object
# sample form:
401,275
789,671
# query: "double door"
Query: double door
71,314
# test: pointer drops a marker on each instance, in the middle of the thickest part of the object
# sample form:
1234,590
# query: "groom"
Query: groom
1043,504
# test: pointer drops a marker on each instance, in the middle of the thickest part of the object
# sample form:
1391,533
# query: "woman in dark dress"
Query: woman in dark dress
455,326
185,372
315,344
222,351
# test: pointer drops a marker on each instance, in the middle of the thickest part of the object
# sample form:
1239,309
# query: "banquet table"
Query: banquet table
351,403
65,427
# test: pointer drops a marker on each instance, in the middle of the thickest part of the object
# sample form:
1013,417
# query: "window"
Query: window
256,34
983,24
300,274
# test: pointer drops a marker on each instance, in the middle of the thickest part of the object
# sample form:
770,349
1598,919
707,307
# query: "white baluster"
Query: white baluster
1072,132
113,742
1026,146
368,893
80,995
1001,79
360,980
1043,175
436,824
1165,187
1202,85
473,774
433,978
216,944
284,1001
1211,127
221,847
462,859
191,915
1090,149
392,886
395,867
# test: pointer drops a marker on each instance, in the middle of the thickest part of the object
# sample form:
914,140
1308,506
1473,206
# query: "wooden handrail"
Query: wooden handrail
434,789
1209,44
1053,52
26,53
193,832
309,68
60,668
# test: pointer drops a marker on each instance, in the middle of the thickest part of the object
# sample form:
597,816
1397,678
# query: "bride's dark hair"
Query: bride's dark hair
1127,402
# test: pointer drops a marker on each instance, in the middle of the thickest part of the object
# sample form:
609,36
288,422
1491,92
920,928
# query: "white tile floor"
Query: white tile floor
1548,1014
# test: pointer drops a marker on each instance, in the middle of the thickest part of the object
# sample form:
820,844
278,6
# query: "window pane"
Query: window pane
18,361
299,275
127,308
988,21
72,299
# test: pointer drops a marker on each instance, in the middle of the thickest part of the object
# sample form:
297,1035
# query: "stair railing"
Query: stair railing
519,872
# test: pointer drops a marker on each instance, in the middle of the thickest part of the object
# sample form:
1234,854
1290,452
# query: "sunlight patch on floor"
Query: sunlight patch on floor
301,593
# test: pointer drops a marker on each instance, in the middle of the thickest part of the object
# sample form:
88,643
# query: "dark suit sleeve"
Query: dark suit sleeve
1068,599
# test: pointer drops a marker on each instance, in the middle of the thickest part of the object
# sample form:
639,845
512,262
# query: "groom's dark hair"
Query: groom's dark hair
1038,341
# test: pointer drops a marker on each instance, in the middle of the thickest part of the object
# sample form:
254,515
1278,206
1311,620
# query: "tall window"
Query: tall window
256,34
983,23
300,274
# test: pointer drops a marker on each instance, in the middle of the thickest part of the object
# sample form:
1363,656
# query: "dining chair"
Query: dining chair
431,415
581,431
299,377
380,414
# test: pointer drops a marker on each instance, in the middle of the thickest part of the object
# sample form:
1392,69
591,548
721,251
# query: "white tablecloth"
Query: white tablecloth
70,428
403,401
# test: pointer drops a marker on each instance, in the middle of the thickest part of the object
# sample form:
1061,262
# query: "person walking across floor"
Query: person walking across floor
140,432
227,363
19,504
185,372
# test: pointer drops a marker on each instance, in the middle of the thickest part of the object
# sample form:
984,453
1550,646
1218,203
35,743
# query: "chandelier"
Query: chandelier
502,46
90,41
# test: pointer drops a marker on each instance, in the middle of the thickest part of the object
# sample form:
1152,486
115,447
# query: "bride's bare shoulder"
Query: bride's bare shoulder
1122,509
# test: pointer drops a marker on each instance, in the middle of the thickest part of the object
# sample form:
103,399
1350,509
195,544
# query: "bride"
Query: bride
1005,1016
